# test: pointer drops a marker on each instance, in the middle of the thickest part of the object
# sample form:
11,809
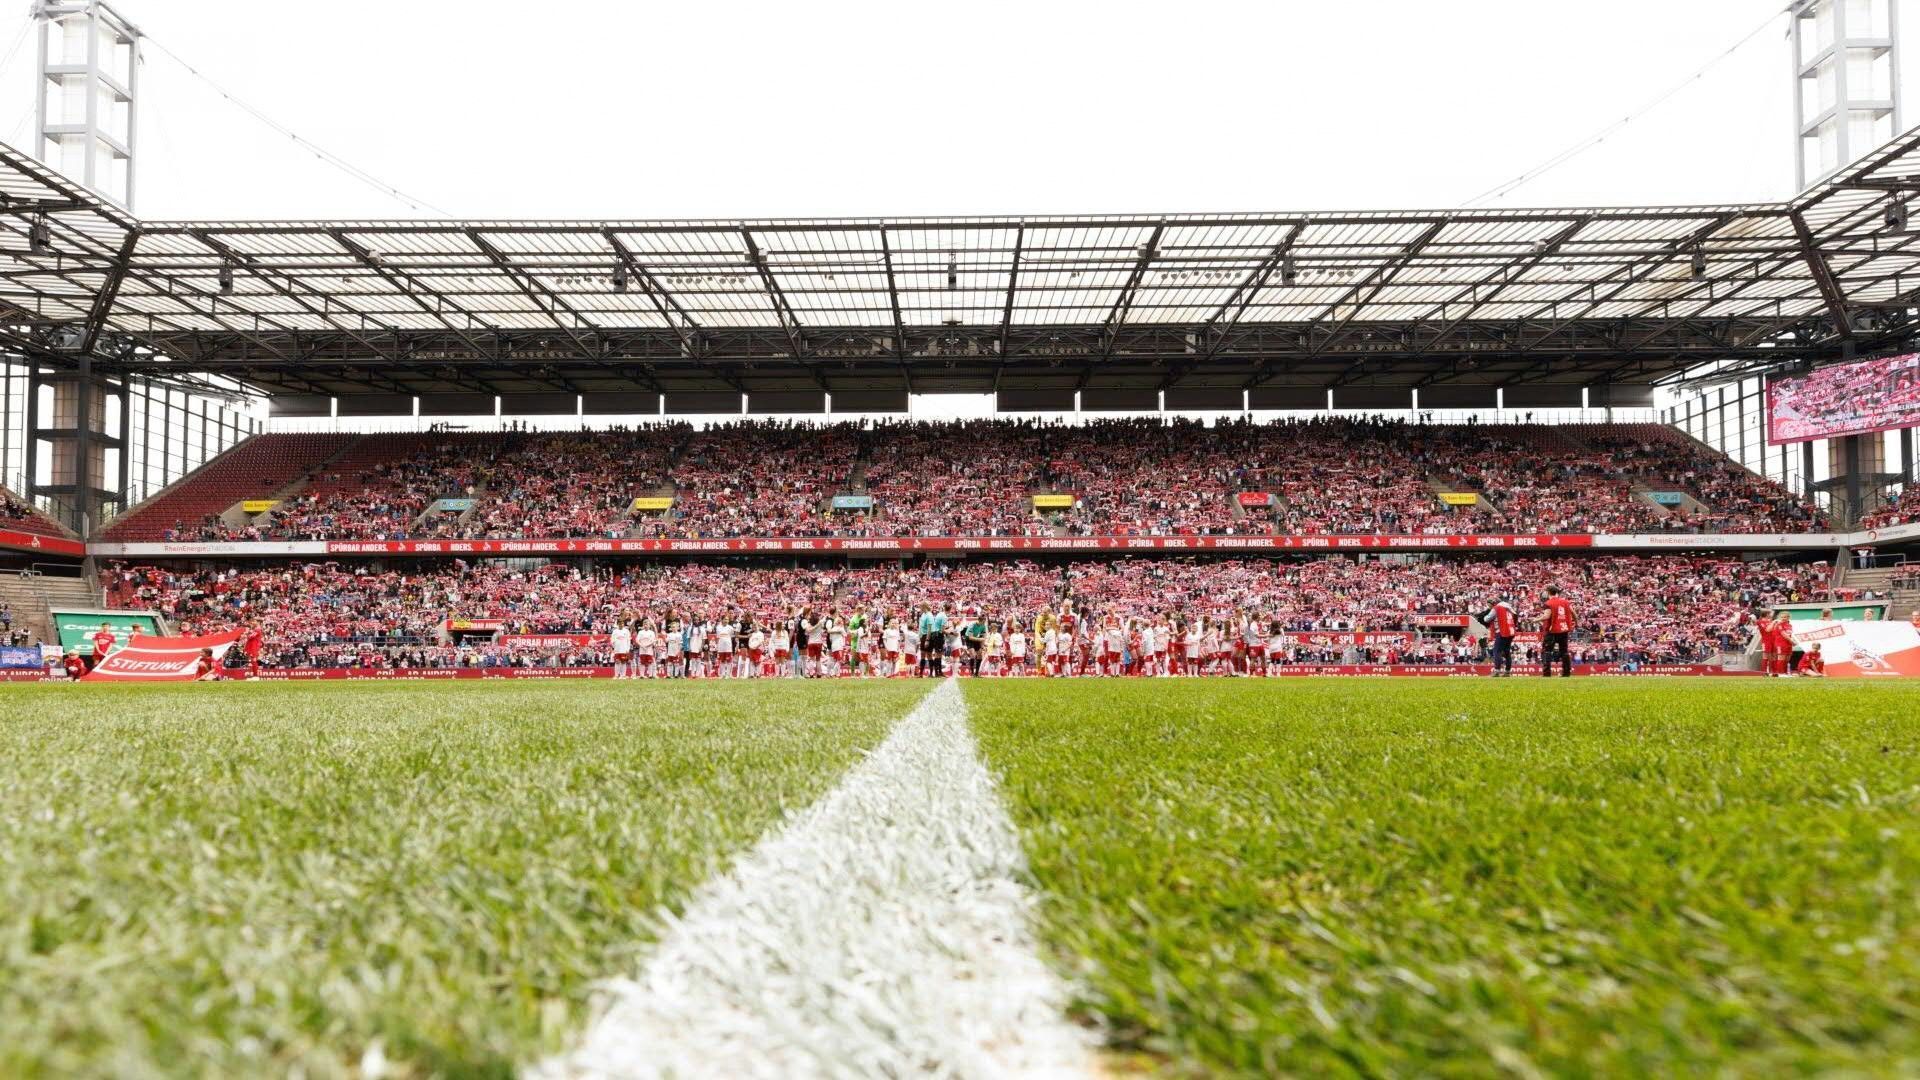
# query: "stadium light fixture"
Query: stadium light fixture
1897,215
619,277
1289,273
1699,264
226,278
953,274
39,236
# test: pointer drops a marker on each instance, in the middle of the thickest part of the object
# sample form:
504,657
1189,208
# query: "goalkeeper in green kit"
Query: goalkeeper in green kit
856,627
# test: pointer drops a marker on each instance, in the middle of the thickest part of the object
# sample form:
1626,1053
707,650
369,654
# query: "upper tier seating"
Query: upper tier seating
255,469
1126,477
18,515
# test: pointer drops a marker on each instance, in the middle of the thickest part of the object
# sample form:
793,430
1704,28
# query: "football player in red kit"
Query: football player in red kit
1776,642
251,643
103,643
1556,627
1812,664
1763,626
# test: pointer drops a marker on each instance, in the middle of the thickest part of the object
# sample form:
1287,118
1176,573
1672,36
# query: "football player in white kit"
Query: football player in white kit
724,650
645,642
890,645
622,642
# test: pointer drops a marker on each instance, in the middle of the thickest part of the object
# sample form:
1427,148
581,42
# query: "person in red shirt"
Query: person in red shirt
103,643
1783,643
1501,622
1812,664
1556,632
1763,626
75,666
251,642
204,669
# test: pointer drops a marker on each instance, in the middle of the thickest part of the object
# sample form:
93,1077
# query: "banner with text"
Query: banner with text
1863,649
75,629
160,659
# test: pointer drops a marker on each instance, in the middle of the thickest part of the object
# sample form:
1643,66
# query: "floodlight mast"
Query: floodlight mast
87,93
1846,82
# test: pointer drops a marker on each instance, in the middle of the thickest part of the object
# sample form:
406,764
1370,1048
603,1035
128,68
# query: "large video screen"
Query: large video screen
1846,399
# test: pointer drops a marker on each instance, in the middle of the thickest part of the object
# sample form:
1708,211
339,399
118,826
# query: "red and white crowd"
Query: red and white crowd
1904,509
1124,476
1155,616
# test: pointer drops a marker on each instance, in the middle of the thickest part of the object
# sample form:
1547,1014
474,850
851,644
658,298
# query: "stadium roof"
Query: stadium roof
1050,304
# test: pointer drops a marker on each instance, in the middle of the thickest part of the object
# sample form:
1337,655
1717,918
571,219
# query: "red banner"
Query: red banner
1442,621
52,545
1255,498
479,626
159,659
911,545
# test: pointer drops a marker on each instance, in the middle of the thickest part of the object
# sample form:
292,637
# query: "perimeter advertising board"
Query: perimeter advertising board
76,628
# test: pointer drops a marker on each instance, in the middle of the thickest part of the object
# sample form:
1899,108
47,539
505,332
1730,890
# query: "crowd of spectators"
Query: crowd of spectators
1663,609
761,478
1902,510
1149,476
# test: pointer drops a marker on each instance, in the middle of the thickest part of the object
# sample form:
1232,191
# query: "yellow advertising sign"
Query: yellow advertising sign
653,502
1459,498
258,506
1052,502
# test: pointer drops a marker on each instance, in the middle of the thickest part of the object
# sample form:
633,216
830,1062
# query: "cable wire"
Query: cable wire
1500,191
318,151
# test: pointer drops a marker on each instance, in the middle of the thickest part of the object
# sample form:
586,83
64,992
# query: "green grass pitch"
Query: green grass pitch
263,879
1603,877
1305,877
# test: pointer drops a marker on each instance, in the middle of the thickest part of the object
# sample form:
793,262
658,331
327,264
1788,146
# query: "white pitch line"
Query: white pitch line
881,932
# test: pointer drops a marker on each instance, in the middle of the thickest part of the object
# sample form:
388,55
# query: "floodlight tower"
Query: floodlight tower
89,79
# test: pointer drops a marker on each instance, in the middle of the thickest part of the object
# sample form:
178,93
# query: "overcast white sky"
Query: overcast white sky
597,108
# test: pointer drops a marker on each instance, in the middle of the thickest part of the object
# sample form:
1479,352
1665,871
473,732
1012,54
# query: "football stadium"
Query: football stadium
1361,642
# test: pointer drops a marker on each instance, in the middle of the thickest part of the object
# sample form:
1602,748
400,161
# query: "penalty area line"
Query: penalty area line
883,931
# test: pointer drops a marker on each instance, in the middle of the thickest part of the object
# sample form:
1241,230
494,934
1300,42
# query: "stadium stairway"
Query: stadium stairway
1687,502
32,597
1879,581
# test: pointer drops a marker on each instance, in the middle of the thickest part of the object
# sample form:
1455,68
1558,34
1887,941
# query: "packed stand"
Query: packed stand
1393,609
572,487
1901,511
1130,477
761,478
973,478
